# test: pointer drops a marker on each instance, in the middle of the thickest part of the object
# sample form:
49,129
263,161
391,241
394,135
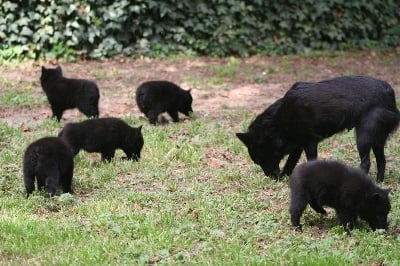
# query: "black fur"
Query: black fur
310,112
346,189
104,135
156,97
50,161
64,93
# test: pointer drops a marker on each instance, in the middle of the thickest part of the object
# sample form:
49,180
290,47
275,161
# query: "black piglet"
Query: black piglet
350,191
156,97
50,162
64,93
104,135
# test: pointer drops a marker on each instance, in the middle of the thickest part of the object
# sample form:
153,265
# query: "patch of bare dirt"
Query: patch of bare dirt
253,85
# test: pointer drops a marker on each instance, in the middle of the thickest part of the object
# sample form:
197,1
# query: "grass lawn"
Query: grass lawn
195,196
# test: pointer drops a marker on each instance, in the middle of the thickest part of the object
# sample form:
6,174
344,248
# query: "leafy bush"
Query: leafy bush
104,28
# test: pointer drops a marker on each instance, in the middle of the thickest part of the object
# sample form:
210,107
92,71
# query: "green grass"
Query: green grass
194,198
194,82
227,71
286,65
19,94
104,74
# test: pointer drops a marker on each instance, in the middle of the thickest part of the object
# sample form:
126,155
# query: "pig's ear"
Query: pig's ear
245,138
140,128
376,196
43,69
189,90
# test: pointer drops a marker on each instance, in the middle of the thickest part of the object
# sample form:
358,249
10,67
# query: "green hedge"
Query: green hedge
104,28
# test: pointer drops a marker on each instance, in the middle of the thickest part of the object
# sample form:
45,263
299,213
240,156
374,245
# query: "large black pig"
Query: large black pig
310,112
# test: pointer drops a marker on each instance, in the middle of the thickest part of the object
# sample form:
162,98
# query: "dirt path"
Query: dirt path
217,84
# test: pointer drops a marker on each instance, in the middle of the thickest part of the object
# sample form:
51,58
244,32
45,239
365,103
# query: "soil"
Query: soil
217,84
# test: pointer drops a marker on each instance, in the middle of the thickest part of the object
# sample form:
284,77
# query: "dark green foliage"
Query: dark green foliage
105,28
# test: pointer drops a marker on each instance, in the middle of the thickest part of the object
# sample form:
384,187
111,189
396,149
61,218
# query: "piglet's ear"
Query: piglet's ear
140,128
244,137
189,90
43,68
